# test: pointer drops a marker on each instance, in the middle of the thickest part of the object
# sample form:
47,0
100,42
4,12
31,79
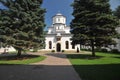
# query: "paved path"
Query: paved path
55,67
58,67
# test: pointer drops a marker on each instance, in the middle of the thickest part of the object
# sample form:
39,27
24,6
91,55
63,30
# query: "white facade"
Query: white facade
58,36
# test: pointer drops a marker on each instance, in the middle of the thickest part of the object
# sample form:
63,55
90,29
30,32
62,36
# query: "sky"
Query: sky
63,6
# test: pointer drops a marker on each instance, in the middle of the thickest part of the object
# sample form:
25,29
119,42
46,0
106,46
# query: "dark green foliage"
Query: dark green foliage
35,50
117,12
63,50
104,50
22,24
93,23
98,72
53,51
115,51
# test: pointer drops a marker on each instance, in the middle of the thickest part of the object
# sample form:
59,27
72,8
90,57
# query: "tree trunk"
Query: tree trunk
19,53
93,48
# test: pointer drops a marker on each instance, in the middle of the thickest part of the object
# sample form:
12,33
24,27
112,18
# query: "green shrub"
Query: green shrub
63,50
35,50
114,51
98,49
85,49
88,49
104,50
53,51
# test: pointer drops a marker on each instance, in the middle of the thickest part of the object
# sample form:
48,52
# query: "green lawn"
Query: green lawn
13,60
105,66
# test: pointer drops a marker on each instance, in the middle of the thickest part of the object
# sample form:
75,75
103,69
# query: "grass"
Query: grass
105,66
24,59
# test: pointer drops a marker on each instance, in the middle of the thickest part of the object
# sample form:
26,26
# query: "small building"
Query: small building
58,37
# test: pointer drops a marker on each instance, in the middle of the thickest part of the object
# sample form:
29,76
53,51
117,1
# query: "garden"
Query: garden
105,66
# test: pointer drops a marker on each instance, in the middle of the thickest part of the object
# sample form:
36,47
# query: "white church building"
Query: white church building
58,37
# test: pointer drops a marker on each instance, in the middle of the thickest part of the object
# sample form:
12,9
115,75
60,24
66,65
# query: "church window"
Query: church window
58,19
67,44
50,45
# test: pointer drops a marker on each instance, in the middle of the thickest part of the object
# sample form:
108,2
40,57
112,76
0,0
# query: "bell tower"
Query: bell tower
59,22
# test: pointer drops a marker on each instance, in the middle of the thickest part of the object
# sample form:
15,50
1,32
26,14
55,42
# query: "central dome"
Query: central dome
59,14
59,19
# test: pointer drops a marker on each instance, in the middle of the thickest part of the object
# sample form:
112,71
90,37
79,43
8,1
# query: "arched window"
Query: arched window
50,45
67,44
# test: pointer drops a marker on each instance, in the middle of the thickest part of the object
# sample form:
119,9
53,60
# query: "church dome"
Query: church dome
59,14
59,18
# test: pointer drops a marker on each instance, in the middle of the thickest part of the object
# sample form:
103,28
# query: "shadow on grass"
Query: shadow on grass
15,57
83,56
99,72
117,57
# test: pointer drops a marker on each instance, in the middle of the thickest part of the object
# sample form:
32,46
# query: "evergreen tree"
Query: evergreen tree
22,24
117,12
93,23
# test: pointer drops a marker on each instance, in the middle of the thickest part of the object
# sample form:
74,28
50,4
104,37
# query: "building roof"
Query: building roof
49,35
59,14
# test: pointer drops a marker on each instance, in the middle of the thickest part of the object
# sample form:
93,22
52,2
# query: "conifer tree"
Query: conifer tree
93,23
117,12
22,24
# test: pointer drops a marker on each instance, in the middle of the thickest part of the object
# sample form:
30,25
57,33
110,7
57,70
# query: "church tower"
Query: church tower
58,37
59,22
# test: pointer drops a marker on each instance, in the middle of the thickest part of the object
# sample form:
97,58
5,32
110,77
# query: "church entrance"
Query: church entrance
58,48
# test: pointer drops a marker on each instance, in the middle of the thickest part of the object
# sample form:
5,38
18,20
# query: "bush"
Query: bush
104,50
83,49
114,51
98,49
63,50
53,51
35,50
88,49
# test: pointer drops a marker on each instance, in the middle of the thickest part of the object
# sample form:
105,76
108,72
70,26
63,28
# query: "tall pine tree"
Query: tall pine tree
22,24
93,23
117,12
